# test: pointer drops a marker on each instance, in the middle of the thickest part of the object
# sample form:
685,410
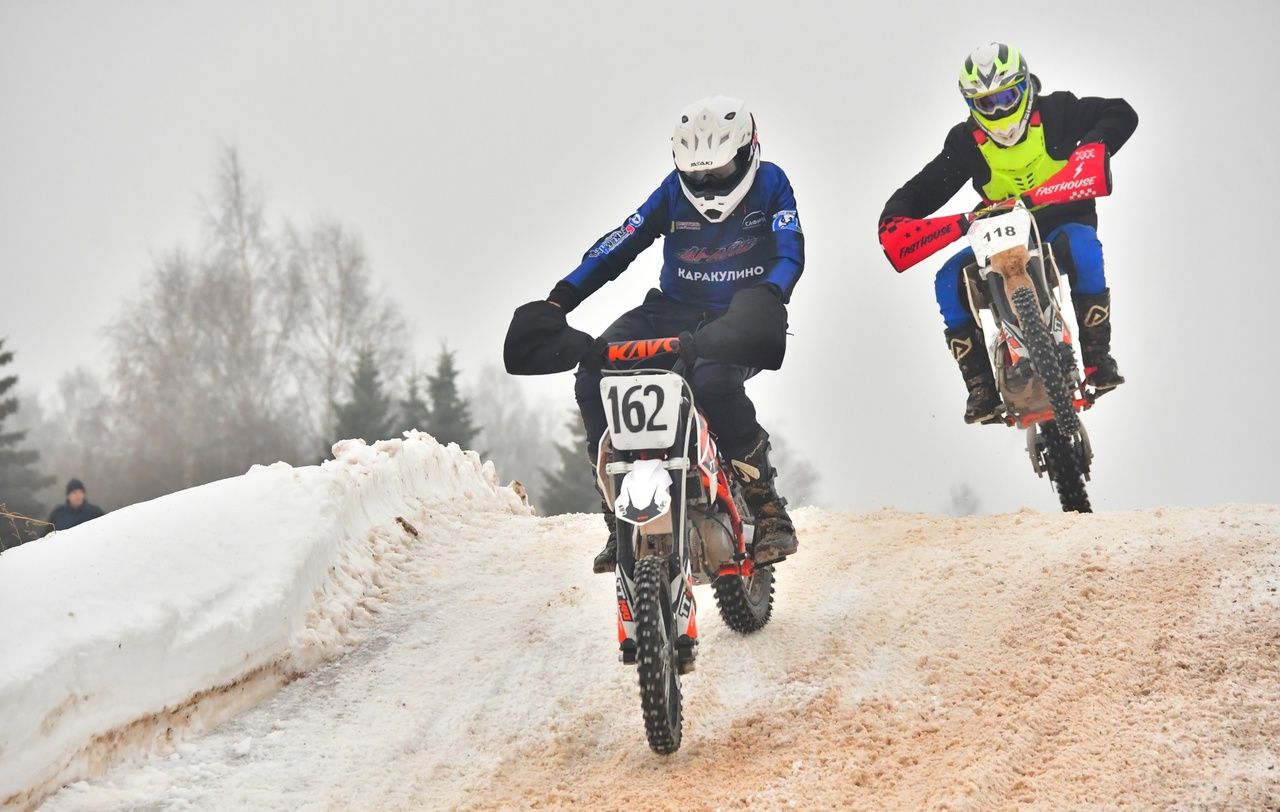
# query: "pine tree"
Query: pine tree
414,412
450,415
19,478
367,415
571,487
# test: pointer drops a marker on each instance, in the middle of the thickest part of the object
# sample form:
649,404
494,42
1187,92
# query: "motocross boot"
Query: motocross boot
1093,312
966,345
607,559
775,535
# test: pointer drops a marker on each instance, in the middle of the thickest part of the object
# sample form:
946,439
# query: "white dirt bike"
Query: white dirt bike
680,523
1015,276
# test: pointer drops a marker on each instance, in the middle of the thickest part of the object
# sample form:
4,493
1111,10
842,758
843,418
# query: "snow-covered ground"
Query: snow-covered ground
1041,660
162,619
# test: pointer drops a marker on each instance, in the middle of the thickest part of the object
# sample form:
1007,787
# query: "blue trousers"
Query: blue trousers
719,388
1079,255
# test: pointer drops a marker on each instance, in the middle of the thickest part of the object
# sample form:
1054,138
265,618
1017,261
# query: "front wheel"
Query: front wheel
1062,462
656,656
1061,453
746,603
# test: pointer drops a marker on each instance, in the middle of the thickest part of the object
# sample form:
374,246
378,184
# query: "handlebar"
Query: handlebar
996,208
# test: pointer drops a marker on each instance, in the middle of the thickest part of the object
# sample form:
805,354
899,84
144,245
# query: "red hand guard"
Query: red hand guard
1086,175
907,241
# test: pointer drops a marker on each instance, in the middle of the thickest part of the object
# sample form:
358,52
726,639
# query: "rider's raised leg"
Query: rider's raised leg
1079,254
721,392
965,341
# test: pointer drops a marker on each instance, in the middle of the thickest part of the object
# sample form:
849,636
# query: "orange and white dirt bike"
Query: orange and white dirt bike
1015,277
680,524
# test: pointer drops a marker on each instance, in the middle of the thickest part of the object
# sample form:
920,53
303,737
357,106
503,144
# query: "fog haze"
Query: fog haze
479,149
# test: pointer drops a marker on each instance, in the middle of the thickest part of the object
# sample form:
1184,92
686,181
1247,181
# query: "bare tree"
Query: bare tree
232,354
75,433
519,436
339,313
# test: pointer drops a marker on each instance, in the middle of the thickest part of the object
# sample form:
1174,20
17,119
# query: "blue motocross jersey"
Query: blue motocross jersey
705,263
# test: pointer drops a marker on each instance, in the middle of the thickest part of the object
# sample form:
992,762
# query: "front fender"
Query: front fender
644,497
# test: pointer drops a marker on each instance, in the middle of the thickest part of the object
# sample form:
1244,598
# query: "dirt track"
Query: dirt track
1024,661
1099,662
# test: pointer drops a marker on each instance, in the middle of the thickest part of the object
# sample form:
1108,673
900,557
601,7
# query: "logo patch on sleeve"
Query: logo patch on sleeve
615,238
787,220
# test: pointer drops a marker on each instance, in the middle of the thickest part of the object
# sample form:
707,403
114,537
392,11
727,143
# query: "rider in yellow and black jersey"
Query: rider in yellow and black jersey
1014,141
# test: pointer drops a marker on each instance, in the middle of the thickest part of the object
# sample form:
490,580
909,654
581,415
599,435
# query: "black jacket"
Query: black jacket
1068,122
64,517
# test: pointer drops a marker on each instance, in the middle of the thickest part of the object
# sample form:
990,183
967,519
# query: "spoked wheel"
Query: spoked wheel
656,656
746,603
1062,457
1062,461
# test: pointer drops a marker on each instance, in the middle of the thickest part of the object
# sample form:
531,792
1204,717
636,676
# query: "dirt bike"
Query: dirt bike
1015,277
680,524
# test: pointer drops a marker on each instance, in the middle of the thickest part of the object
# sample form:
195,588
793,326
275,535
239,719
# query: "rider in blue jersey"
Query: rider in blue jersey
733,251
704,261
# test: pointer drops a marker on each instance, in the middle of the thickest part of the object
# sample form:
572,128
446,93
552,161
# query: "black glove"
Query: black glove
540,341
594,360
688,349
751,333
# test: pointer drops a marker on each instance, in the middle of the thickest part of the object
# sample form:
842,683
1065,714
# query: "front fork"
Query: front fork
684,610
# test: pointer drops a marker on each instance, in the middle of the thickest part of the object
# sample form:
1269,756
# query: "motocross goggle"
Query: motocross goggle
722,179
1004,100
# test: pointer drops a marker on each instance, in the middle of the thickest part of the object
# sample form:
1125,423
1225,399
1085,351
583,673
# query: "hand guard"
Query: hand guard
907,241
1087,175
751,333
540,341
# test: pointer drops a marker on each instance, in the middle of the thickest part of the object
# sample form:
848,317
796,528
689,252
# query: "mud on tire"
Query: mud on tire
746,604
660,697
1061,453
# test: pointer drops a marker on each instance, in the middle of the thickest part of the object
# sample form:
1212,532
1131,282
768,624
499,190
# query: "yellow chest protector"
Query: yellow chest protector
1020,168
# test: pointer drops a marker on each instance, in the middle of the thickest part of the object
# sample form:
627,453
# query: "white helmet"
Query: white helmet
716,153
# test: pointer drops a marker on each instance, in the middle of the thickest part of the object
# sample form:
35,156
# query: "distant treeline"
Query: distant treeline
265,342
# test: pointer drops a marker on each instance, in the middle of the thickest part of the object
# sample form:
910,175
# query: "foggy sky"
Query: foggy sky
479,148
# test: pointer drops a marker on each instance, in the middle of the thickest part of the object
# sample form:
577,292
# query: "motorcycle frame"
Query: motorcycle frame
713,486
1041,268
986,288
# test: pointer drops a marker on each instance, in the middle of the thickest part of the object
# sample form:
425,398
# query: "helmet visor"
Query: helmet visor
721,179
1004,100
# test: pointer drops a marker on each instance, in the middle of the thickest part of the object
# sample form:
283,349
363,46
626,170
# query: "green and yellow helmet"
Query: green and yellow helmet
997,85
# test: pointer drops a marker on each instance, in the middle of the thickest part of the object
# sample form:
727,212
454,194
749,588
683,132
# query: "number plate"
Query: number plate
643,410
991,235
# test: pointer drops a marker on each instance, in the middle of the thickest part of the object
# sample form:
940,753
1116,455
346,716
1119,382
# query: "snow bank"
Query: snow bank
124,621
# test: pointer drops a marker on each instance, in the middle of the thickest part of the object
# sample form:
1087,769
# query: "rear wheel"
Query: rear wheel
656,656
746,603
1062,455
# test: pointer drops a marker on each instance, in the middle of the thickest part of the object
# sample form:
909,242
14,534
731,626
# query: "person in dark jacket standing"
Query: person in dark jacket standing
1016,144
76,510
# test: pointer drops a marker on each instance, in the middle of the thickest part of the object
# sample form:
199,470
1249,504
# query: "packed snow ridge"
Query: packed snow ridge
171,615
